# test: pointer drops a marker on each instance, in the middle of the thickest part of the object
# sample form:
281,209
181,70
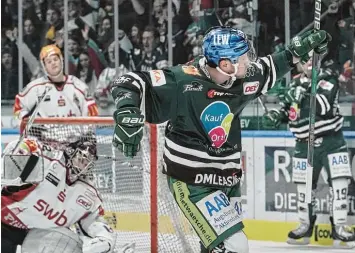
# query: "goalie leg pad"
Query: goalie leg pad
56,240
339,200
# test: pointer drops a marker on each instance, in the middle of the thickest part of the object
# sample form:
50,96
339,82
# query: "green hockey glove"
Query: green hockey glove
272,119
128,131
302,45
293,95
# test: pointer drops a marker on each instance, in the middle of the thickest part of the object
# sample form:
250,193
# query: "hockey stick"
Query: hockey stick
316,60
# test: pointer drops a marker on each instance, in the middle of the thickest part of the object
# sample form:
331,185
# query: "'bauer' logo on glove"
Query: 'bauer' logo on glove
128,131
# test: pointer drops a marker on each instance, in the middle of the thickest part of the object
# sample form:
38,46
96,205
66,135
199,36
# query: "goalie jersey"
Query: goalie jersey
71,100
203,134
52,202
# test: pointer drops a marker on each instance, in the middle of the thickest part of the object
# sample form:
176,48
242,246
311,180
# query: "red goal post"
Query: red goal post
169,231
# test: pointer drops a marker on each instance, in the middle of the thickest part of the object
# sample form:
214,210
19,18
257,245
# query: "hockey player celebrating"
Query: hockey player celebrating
63,197
330,150
202,101
65,95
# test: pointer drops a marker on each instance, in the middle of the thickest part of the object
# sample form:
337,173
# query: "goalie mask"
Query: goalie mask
80,159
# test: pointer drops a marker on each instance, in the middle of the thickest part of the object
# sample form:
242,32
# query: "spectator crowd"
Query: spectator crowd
143,36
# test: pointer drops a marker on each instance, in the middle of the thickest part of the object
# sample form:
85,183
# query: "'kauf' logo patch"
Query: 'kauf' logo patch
217,119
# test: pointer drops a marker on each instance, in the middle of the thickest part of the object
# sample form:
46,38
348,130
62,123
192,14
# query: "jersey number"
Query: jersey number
341,194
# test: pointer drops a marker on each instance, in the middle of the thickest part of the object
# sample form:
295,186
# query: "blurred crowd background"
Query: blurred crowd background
153,34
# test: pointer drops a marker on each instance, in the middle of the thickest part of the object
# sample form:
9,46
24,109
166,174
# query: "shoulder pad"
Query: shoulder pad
34,83
77,83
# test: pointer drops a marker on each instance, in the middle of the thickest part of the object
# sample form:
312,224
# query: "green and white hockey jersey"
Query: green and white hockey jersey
328,118
203,134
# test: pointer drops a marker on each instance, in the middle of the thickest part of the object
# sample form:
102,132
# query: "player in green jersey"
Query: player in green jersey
202,101
330,149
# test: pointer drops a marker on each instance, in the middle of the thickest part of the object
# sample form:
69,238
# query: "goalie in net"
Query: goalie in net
50,191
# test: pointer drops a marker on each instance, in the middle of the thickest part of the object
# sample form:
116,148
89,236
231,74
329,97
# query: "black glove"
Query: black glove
302,45
128,131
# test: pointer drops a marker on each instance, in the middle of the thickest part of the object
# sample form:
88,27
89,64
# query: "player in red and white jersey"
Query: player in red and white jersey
67,96
63,197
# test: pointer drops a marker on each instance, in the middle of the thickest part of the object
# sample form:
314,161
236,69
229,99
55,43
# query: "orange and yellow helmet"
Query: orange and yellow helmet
49,50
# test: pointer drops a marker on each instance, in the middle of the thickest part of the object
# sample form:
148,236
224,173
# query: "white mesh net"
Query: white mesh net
125,185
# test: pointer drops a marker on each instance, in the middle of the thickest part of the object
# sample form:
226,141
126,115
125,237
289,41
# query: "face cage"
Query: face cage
251,57
81,163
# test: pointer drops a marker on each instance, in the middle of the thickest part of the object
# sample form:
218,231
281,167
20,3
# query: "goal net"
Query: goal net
137,201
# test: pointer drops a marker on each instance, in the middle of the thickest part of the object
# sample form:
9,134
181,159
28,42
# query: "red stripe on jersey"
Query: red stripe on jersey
93,110
17,105
101,211
24,94
10,218
16,196
9,215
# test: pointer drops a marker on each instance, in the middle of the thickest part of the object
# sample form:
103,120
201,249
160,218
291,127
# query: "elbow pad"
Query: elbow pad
124,97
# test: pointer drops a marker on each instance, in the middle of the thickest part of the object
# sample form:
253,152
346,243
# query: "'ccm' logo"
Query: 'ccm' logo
129,120
250,88
84,202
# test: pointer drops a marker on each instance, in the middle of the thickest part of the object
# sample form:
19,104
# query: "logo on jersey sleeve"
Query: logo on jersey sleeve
157,77
293,113
84,202
250,88
325,85
217,119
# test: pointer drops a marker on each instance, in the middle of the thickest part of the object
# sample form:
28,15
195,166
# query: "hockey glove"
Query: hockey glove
128,131
293,95
302,45
97,245
273,118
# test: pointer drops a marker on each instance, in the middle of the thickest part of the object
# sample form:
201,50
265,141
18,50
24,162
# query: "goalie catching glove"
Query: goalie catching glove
128,131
